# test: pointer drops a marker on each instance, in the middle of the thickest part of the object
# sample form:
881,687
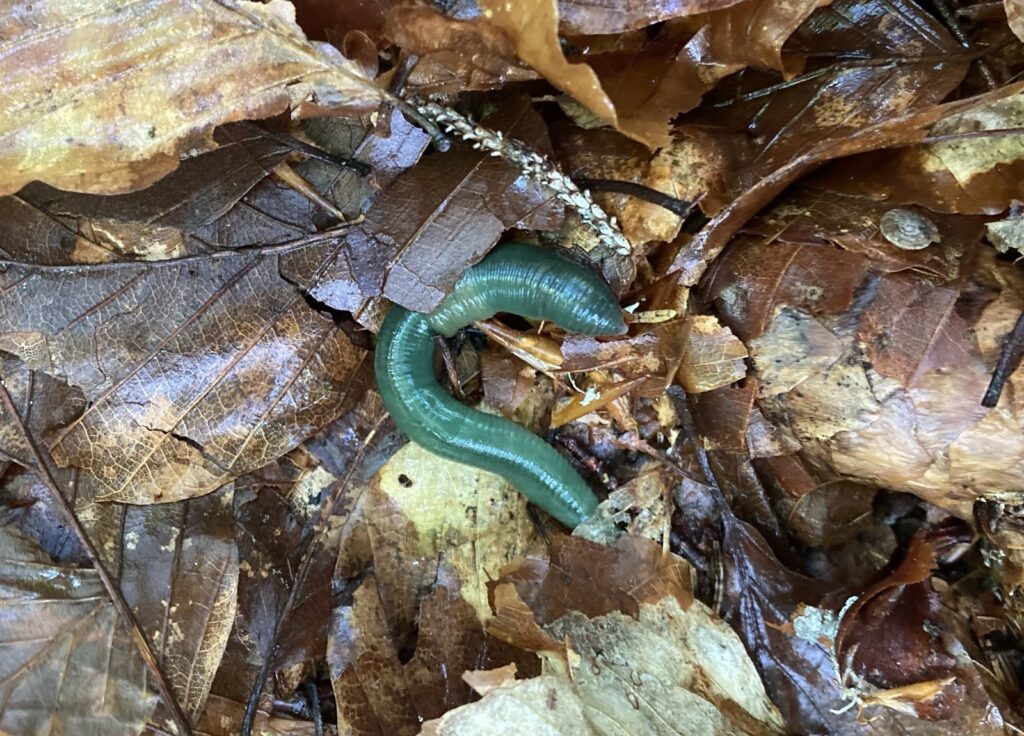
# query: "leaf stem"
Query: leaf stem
116,597
1008,359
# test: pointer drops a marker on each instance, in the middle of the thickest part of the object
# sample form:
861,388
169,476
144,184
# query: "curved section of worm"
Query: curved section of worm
523,280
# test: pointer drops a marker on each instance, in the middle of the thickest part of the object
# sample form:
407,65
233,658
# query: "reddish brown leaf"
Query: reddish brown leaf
967,170
454,55
755,279
893,639
912,328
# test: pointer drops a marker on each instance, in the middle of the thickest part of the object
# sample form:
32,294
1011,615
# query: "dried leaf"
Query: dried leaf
713,356
623,648
533,27
69,664
215,62
50,227
1015,16
595,399
911,328
541,705
198,371
44,404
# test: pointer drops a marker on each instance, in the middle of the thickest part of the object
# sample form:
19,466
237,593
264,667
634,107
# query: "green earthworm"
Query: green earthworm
516,278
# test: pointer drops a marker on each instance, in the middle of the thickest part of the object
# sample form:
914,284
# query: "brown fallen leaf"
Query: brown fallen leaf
598,17
613,627
893,650
67,658
975,165
839,121
712,356
892,397
456,522
1015,16
215,62
455,55
435,208
198,371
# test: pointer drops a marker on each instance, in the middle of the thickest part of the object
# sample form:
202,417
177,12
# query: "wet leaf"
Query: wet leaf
617,623
50,227
454,54
601,16
198,371
967,170
216,63
68,662
892,648
838,112
435,208
458,523
758,278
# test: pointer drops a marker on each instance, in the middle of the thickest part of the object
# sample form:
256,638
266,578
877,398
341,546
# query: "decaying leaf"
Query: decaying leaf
460,523
433,209
1015,15
795,410
894,653
215,62
887,388
975,165
197,371
642,670
69,664
454,54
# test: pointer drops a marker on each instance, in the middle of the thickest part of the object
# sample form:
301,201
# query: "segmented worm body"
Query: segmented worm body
523,280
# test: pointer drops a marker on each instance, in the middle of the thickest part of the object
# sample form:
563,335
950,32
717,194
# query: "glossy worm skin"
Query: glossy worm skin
523,280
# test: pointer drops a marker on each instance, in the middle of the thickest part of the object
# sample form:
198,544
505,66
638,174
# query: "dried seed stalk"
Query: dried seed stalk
534,165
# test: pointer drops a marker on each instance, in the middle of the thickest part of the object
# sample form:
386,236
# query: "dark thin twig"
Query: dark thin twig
298,585
1009,357
406,63
672,204
314,704
949,18
120,605
968,134
441,142
449,366
312,151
